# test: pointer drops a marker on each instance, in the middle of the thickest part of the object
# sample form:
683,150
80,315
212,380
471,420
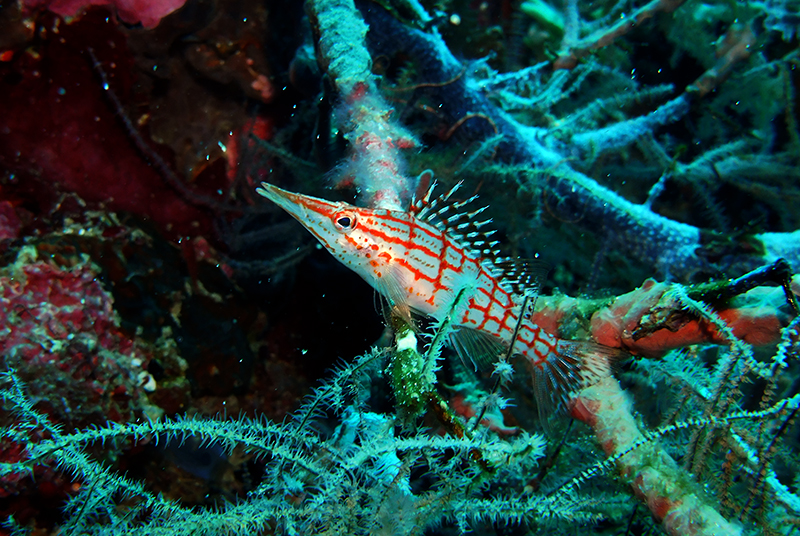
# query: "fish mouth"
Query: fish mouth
306,209
298,205
288,201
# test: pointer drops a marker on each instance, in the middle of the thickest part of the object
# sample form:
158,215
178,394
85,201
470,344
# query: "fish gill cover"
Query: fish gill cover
179,357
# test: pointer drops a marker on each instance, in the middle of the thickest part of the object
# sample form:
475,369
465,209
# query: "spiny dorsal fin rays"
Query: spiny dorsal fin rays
429,207
425,200
461,225
458,219
477,224
521,276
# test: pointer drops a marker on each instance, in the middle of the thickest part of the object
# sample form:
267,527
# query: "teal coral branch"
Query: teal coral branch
675,248
377,139
341,35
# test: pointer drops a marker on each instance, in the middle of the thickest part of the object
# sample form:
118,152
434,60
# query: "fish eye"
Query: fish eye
344,221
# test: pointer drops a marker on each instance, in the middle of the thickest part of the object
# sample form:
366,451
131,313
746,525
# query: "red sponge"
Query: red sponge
148,12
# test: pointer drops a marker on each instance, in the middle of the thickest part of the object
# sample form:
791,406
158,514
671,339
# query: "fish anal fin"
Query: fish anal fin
481,348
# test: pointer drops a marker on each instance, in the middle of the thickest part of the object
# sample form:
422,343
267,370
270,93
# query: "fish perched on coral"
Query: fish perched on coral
437,261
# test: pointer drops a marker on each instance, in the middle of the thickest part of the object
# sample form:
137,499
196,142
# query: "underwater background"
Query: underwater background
179,356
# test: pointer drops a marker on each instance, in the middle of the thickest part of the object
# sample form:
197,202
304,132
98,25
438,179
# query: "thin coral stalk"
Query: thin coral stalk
680,505
376,166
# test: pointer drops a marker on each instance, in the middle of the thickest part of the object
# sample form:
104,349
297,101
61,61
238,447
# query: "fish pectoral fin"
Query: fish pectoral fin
481,348
393,290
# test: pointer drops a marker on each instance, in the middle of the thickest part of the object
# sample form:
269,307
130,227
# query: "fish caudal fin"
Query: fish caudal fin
573,366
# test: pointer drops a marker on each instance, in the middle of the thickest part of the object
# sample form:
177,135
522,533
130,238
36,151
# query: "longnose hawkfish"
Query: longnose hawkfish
437,261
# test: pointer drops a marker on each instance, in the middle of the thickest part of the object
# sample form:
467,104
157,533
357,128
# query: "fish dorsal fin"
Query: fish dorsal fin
518,276
523,277
422,196
426,206
462,226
